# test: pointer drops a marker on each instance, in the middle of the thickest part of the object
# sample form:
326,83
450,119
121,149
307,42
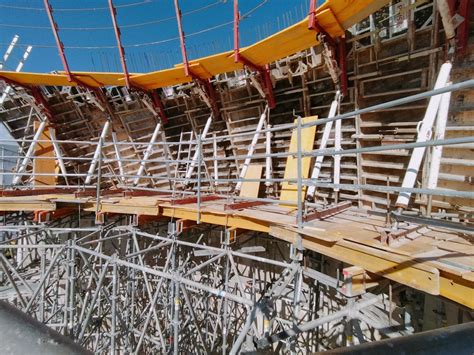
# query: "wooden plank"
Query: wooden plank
250,188
330,23
289,192
162,78
44,166
290,234
12,205
218,63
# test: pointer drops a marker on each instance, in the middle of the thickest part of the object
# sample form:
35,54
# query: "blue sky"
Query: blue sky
149,30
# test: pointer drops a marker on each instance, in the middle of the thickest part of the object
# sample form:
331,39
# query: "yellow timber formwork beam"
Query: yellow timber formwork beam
183,212
402,269
25,205
335,16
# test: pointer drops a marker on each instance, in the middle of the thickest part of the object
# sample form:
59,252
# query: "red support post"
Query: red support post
159,106
265,79
181,38
59,44
312,14
343,65
464,10
236,31
205,84
314,25
123,60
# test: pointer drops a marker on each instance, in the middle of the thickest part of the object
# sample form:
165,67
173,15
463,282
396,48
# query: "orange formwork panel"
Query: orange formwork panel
335,16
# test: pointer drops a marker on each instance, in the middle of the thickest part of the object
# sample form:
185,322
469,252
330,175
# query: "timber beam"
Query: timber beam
402,269
45,191
357,281
49,216
137,193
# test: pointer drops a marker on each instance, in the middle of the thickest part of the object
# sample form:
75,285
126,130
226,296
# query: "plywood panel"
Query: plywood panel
289,192
44,166
250,188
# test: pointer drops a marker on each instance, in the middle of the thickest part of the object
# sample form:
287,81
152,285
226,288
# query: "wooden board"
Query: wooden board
250,188
162,78
44,166
215,64
289,191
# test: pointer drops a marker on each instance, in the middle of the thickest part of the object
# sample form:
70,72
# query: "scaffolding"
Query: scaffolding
319,201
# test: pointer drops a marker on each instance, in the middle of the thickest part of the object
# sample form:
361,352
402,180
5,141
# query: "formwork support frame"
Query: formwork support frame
264,72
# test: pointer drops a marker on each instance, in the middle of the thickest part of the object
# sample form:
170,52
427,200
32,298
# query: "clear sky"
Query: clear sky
149,30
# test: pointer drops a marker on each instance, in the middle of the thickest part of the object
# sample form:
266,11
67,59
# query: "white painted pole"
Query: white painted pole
118,157
148,152
268,151
18,69
96,154
324,140
216,165
251,150
337,158
439,134
191,167
29,153
9,51
424,134
57,151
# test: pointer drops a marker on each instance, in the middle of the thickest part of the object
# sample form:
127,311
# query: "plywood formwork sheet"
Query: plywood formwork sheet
289,191
250,188
43,165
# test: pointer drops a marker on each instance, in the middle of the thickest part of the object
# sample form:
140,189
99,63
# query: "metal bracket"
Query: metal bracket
335,51
264,79
206,89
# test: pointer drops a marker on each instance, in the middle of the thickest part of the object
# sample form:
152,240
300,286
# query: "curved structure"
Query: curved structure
308,192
